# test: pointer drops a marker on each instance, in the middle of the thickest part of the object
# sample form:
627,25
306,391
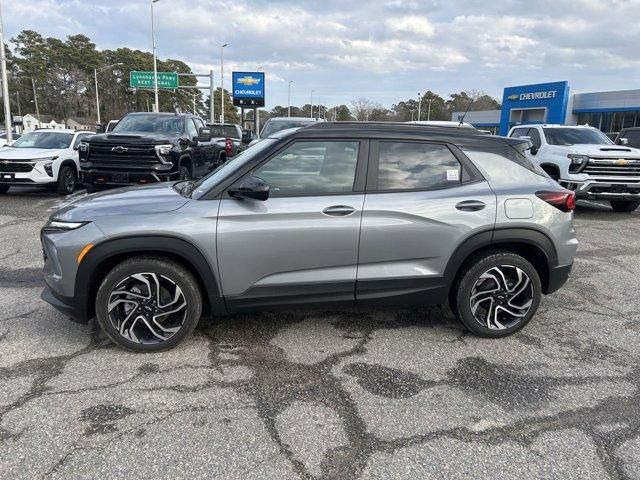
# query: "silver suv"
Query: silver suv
330,214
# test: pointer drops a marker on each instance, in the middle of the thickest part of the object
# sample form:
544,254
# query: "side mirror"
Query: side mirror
246,136
252,187
624,141
204,134
101,127
533,150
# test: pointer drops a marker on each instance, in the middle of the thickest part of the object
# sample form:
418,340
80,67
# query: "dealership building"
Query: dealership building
554,103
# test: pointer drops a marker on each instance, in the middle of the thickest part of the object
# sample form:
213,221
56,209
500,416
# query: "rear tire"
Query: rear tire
4,189
67,180
624,206
155,303
497,294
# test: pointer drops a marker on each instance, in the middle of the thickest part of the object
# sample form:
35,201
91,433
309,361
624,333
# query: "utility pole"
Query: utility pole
156,107
222,83
419,105
212,103
289,100
5,82
311,114
35,98
429,111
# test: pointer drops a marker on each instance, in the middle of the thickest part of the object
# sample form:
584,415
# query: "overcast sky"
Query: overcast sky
386,50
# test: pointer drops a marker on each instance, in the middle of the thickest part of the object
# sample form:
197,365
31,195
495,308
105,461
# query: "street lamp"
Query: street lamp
222,81
419,105
156,107
289,99
429,111
311,114
95,77
5,82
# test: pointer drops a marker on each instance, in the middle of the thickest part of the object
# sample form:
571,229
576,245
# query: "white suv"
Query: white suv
43,157
586,161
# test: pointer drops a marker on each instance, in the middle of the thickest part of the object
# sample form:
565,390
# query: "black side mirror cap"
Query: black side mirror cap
252,187
204,134
533,149
246,136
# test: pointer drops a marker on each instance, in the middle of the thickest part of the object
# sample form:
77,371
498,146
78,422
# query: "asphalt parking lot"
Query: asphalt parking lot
402,393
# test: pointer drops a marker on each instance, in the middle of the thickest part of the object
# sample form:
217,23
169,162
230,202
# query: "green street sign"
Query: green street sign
145,80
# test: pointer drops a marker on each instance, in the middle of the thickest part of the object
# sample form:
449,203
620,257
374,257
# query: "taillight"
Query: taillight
564,200
228,147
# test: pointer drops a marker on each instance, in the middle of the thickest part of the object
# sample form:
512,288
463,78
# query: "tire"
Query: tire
185,173
518,296
4,189
92,188
130,323
624,206
67,180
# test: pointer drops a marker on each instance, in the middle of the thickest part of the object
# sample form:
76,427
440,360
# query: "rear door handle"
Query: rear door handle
471,205
339,210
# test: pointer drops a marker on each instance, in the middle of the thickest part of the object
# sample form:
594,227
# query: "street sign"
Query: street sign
145,80
248,89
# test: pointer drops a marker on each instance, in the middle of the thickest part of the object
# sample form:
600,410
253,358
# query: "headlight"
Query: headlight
163,149
578,162
83,147
45,159
62,226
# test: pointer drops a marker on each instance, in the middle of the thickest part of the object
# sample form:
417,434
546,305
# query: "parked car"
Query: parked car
231,136
332,214
3,138
46,157
586,161
277,124
629,137
148,148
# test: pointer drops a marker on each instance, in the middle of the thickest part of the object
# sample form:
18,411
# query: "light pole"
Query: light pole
5,82
222,82
419,105
429,111
95,77
311,114
289,100
35,98
156,107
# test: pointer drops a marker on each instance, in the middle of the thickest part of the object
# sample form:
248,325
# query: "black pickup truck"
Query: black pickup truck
149,147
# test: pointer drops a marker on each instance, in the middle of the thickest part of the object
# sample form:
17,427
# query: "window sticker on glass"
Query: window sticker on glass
453,175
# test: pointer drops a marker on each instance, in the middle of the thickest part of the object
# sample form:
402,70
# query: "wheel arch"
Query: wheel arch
70,162
186,161
106,255
532,244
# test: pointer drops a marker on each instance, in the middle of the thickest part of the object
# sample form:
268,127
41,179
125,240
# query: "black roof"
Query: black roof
407,131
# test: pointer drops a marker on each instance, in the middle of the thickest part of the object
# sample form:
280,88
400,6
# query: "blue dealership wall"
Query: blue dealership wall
553,96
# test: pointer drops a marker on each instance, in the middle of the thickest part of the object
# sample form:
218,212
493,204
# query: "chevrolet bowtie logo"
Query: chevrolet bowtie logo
248,80
622,161
513,97
119,149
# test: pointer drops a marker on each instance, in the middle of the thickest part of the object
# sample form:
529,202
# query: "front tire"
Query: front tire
67,180
4,189
624,206
148,304
497,295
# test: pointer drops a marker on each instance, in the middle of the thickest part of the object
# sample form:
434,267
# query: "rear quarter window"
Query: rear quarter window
501,170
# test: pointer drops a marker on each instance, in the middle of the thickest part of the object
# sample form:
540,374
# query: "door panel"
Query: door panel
286,250
407,238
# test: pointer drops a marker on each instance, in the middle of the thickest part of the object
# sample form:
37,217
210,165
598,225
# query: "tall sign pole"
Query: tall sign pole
222,83
156,107
5,82
212,103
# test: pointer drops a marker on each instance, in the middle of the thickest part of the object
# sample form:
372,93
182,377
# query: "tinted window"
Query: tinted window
520,132
40,139
227,131
633,136
575,136
535,137
192,131
312,168
151,123
199,123
416,166
276,126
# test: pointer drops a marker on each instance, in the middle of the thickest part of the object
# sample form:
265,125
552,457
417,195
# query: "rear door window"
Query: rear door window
416,166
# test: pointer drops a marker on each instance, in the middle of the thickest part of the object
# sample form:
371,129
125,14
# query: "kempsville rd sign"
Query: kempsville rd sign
145,80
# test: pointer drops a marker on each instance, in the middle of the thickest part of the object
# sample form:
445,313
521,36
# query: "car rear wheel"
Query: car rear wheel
4,189
624,207
148,304
67,179
497,295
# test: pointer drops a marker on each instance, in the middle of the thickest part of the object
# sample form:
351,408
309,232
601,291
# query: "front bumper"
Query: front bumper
68,306
36,174
601,189
120,178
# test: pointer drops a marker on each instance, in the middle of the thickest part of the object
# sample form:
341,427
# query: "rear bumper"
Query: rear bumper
601,189
66,305
558,276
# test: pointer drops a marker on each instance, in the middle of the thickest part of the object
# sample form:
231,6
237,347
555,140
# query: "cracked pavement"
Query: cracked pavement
376,393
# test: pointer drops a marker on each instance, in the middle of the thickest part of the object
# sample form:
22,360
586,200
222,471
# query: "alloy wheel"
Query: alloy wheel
69,181
147,308
501,297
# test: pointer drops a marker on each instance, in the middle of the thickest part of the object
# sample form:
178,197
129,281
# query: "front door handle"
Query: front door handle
471,205
339,210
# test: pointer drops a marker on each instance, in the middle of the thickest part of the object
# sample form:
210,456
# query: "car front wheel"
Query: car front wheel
624,207
497,295
67,179
148,304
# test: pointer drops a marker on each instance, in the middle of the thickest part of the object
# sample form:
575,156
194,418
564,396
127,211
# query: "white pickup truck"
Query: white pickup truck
585,160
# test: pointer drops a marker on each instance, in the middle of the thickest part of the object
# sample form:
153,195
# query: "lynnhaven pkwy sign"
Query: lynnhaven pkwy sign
145,80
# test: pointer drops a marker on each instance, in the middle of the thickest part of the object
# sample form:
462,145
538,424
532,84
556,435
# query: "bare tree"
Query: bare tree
361,108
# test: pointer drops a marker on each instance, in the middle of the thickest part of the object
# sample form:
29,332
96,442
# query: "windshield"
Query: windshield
51,140
575,136
162,124
274,127
206,183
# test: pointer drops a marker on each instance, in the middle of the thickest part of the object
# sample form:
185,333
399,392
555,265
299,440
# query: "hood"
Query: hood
131,138
614,151
157,198
10,153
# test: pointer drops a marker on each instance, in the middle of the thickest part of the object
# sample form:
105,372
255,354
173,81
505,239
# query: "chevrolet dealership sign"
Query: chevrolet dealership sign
248,89
533,96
